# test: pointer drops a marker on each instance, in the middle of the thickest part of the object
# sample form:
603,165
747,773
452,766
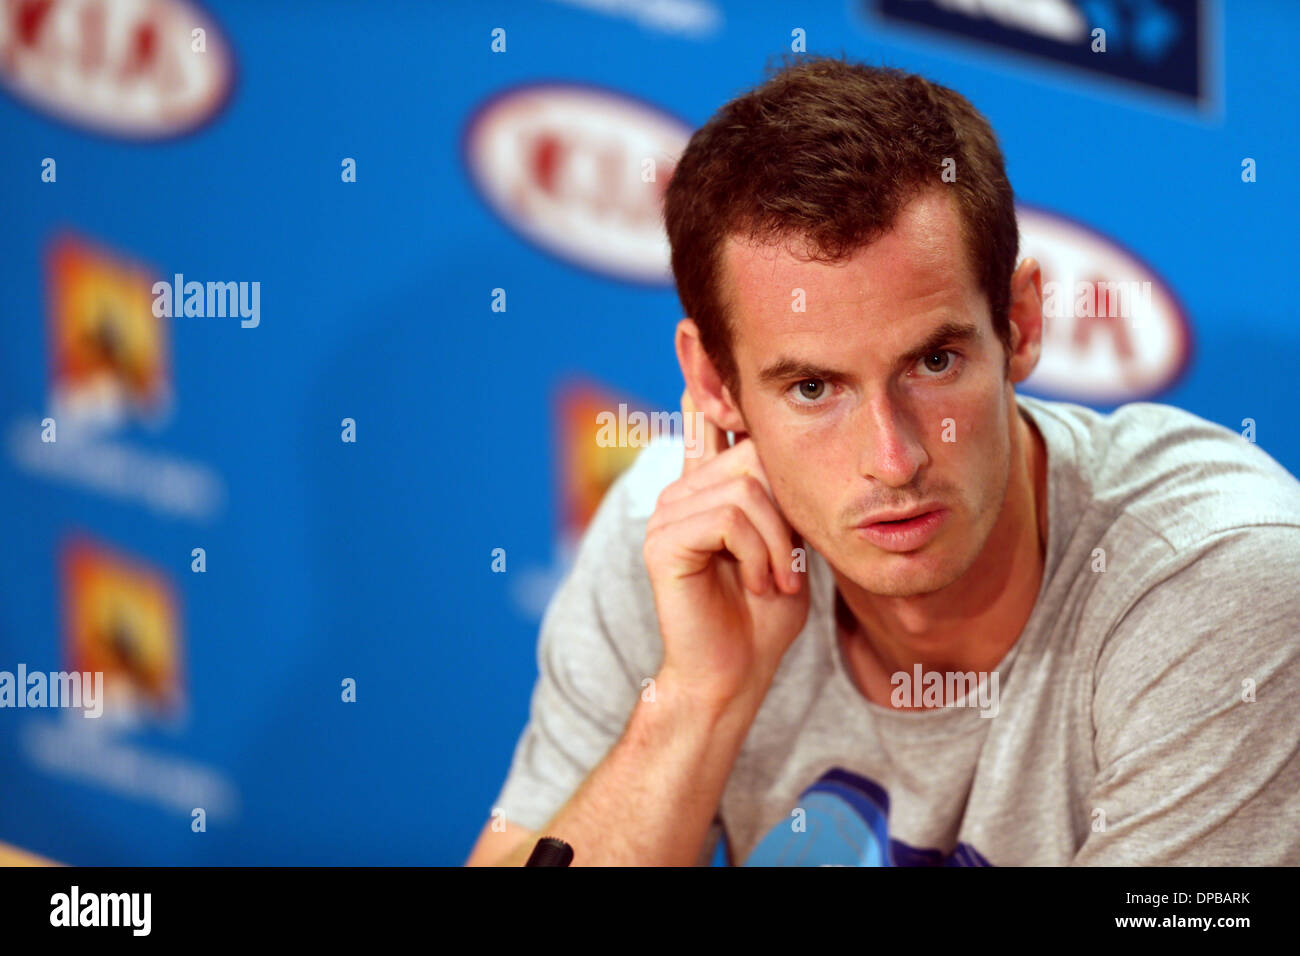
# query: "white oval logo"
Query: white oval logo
581,172
1113,331
133,68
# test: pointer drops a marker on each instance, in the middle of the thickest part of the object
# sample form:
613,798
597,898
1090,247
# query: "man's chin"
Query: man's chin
900,575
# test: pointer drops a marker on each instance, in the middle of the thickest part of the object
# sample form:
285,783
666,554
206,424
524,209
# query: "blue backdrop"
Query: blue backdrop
479,279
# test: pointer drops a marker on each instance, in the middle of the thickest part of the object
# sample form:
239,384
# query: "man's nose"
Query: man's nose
892,451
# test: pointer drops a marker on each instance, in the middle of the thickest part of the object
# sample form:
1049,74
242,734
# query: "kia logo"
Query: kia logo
580,171
1113,330
145,69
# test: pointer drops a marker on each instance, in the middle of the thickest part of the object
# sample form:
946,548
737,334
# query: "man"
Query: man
906,616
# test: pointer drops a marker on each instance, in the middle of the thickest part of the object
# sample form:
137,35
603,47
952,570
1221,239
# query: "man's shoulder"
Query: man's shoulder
658,465
610,545
1182,476
601,618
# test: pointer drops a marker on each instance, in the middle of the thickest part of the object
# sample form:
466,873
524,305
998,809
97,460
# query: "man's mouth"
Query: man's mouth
906,533
898,517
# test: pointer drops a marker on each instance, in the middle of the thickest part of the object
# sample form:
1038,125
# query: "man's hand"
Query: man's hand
713,541
719,553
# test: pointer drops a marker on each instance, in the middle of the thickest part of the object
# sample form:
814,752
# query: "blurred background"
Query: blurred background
309,308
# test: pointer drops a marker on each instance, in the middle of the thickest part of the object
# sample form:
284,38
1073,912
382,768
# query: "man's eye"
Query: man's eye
945,358
810,390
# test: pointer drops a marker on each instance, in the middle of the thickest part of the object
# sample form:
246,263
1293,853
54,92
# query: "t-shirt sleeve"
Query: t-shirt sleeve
586,688
1194,709
599,641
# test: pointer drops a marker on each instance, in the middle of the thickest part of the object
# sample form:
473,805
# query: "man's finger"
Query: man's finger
704,440
748,495
741,459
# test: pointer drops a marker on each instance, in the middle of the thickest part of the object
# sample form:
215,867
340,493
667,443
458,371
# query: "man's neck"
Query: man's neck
972,624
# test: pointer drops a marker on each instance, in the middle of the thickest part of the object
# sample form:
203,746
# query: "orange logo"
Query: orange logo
109,351
587,468
120,618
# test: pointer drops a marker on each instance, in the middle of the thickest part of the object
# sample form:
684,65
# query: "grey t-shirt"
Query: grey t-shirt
1148,714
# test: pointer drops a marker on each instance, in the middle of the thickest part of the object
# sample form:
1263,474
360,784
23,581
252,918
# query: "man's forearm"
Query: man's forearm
651,800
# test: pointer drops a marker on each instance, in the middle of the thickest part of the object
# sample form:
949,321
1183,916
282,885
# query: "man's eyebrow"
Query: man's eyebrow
950,333
789,369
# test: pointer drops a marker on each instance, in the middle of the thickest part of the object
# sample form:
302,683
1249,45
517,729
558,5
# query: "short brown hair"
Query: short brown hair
827,152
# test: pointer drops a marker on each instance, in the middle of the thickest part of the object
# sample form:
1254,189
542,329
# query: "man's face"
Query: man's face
864,405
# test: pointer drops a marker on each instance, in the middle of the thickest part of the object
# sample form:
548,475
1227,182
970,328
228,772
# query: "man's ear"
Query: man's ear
710,395
1026,317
